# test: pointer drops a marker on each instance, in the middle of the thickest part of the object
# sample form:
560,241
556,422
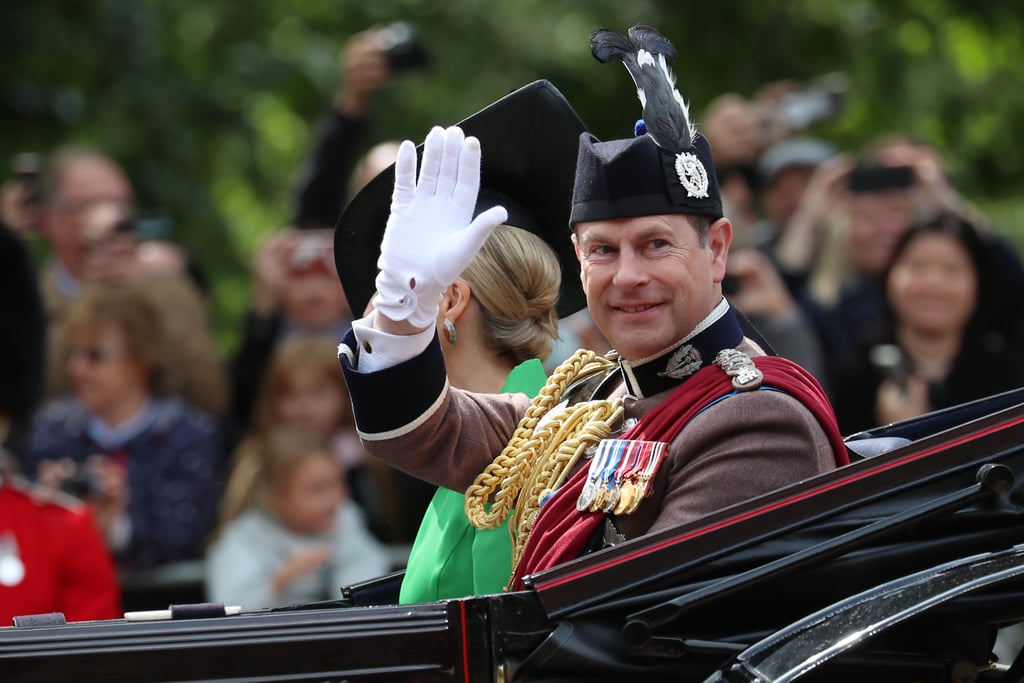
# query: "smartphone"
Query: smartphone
28,169
890,362
312,249
874,178
147,225
403,48
821,100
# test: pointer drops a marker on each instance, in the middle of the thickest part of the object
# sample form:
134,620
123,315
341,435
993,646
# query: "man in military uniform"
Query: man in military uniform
52,557
709,420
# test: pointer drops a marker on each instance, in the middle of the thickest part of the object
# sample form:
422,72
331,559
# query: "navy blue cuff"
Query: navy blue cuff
393,400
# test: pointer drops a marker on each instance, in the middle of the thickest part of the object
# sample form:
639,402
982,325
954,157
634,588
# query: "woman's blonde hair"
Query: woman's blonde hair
266,463
130,308
297,353
515,278
165,326
195,369
251,462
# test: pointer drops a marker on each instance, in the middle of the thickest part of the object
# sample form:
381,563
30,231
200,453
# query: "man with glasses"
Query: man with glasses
84,195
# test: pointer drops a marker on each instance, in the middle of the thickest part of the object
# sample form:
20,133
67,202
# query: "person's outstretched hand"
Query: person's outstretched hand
431,235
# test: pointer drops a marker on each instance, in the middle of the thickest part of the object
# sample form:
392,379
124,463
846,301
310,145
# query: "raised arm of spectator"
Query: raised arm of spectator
322,190
800,239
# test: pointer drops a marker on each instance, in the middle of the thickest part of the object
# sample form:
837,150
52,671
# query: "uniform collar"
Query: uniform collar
112,438
670,367
67,284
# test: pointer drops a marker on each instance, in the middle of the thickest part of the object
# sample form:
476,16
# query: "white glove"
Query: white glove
431,235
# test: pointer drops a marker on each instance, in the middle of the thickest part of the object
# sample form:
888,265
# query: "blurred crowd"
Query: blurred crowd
865,266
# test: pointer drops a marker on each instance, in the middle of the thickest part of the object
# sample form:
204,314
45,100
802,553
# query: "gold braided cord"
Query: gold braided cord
506,474
542,451
587,424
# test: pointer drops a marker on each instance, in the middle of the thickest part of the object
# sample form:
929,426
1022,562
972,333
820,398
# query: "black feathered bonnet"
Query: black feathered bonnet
667,167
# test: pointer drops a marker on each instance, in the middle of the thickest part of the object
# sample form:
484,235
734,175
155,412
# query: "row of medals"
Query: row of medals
606,492
610,491
618,499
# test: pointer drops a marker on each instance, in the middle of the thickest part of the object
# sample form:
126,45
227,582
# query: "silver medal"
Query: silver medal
586,496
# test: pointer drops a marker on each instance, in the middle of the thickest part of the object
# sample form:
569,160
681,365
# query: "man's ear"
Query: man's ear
456,300
719,239
576,248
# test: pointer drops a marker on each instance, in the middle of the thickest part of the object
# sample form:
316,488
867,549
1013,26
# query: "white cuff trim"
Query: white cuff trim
380,350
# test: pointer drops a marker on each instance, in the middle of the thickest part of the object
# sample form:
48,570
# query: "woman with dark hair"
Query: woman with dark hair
938,343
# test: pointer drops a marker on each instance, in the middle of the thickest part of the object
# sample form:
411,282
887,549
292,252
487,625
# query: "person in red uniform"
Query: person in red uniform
52,557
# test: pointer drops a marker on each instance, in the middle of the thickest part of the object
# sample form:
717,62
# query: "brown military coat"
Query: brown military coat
743,446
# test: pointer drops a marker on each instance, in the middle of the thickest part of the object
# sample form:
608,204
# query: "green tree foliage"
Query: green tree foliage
212,106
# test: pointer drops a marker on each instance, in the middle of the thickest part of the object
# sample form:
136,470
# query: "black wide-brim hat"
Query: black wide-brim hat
529,141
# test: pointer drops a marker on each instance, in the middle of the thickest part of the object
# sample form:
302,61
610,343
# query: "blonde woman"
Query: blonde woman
497,319
497,324
146,460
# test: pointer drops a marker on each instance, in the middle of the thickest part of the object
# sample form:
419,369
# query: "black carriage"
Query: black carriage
903,565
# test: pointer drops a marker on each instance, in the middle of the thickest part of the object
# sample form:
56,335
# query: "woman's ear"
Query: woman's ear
455,300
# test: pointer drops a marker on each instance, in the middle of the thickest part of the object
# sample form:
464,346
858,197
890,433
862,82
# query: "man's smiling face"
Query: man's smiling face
649,280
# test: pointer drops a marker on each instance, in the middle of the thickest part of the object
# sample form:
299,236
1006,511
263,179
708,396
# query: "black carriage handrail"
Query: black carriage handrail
808,643
992,479
939,420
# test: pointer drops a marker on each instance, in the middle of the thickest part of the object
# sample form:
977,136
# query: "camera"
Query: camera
823,99
866,178
82,483
402,46
888,359
28,170
312,250
148,225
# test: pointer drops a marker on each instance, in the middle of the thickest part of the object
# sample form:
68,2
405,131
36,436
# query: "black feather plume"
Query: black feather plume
646,53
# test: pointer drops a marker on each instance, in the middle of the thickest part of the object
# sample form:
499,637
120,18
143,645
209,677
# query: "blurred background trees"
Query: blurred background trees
211,106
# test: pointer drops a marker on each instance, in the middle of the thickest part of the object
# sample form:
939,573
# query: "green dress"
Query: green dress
451,558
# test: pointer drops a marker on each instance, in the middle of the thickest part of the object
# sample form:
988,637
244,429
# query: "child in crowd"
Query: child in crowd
288,532
304,387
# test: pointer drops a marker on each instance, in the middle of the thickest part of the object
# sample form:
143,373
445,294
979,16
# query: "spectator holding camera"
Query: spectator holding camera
86,215
866,208
289,296
146,462
741,130
938,343
82,193
368,62
935,192
295,291
763,171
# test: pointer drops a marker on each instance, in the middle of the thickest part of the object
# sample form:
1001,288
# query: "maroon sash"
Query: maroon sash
561,532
